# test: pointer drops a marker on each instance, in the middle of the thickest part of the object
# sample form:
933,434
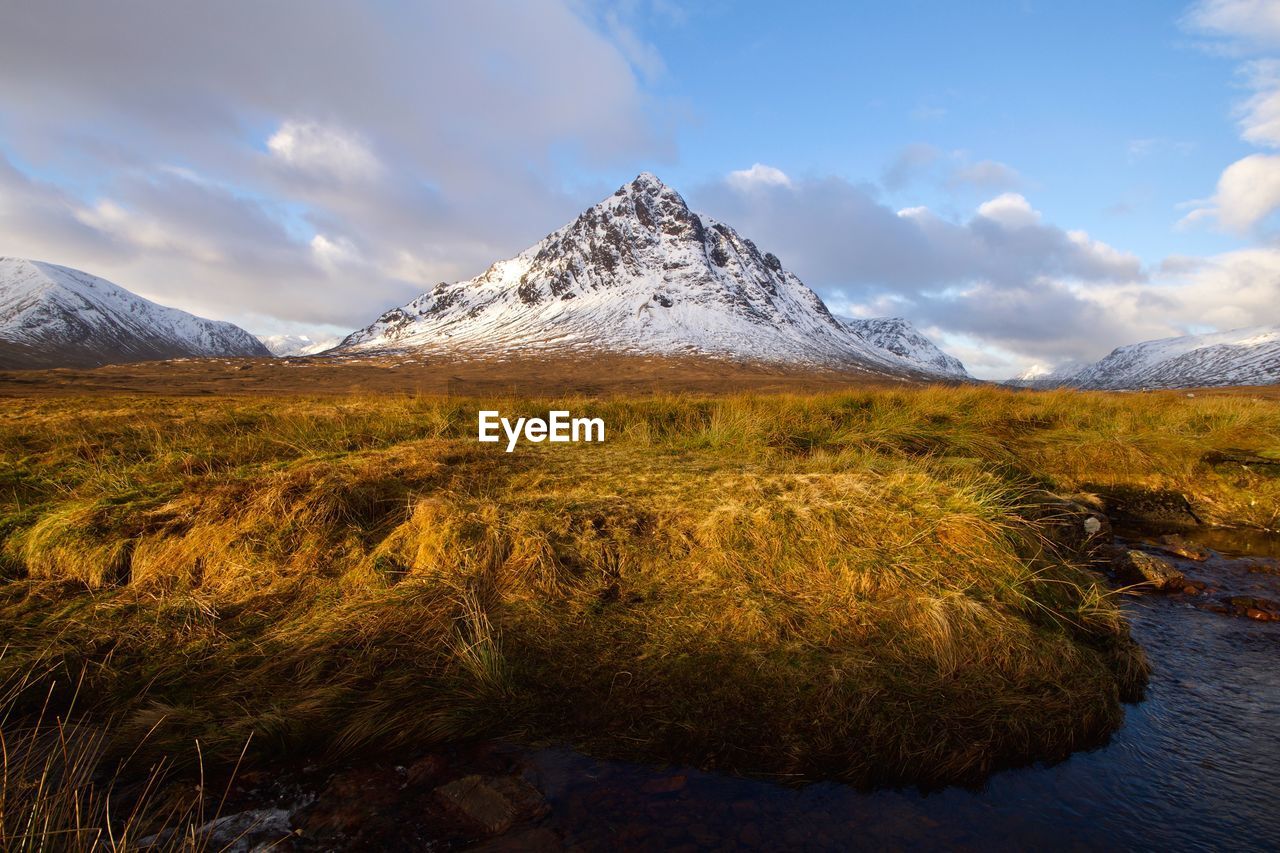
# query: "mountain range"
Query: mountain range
639,273
54,316
1248,356
297,345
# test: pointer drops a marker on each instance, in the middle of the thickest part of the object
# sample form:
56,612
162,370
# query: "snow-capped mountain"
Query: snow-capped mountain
52,316
296,345
901,340
641,273
1045,376
1239,357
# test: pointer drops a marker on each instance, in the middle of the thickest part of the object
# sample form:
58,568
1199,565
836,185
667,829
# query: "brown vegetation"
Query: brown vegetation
854,585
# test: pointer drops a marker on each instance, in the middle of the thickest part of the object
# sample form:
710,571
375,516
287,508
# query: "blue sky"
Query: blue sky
1029,182
1107,110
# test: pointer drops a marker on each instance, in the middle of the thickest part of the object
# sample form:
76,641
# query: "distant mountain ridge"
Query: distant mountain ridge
902,341
1249,356
642,273
297,345
1044,376
55,316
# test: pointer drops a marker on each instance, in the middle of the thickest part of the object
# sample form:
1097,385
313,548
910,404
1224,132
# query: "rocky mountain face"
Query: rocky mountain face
53,316
297,345
637,273
898,338
1240,357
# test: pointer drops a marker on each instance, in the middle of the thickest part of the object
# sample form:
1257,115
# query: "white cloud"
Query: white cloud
1051,321
1243,24
1248,192
1106,255
834,233
1011,210
146,233
324,151
1260,114
759,175
334,253
1226,291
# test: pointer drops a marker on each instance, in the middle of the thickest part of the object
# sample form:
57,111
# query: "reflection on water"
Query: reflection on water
1195,766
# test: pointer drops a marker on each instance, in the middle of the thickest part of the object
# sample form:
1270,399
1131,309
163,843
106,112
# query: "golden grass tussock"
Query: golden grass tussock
854,585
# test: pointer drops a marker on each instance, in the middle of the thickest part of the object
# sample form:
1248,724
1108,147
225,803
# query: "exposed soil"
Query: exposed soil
596,374
592,374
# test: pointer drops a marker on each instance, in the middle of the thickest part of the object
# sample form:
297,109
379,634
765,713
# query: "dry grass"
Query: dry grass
845,584
62,789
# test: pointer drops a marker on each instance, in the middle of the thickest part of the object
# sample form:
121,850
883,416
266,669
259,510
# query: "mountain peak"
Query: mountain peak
648,180
646,198
641,273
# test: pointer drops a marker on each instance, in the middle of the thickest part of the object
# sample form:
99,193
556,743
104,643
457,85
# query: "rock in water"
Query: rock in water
1142,569
1182,547
493,803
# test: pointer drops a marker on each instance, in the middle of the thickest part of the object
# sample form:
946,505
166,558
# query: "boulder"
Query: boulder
1139,568
493,803
1145,507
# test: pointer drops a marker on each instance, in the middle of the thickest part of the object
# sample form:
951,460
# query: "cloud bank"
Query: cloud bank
308,162
1001,285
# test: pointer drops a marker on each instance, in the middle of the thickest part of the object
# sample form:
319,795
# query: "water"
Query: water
1196,765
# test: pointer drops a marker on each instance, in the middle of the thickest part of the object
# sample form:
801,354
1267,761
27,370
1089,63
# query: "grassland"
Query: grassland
858,585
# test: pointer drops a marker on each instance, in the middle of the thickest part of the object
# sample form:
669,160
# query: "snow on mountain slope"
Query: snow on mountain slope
1239,357
640,273
296,345
897,337
52,316
1044,376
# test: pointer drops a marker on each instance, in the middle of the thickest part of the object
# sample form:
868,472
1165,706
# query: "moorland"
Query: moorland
868,584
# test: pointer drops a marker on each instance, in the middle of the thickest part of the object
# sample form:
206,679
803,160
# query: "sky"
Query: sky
1029,182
